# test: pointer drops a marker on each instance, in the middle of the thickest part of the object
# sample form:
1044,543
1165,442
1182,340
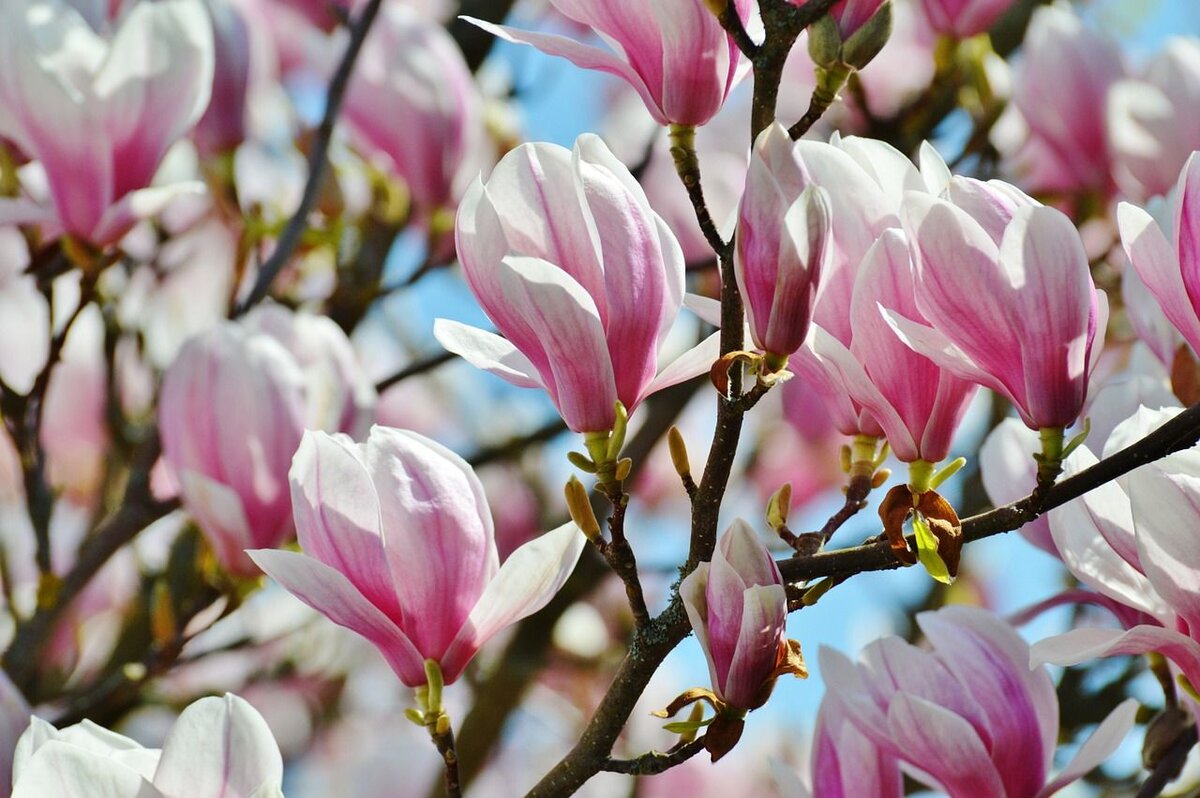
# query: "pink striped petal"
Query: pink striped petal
529,578
331,594
487,351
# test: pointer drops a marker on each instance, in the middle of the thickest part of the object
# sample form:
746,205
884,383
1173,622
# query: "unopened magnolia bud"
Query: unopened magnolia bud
778,506
580,508
825,42
866,42
679,455
162,615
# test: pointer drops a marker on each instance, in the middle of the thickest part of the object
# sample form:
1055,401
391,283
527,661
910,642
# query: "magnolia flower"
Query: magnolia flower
966,714
581,277
233,407
1008,298
1154,120
399,546
1053,134
1132,541
100,115
218,747
780,247
917,403
738,609
962,18
1169,270
673,52
412,68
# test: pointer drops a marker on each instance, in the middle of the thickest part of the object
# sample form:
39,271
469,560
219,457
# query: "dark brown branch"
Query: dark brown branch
619,556
318,159
655,762
1179,433
731,21
445,747
412,370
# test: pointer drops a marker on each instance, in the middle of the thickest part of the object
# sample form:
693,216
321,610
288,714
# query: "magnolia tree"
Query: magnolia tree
262,508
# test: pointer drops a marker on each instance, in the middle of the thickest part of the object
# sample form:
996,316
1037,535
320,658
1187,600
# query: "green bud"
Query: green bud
582,462
679,455
867,41
620,426
825,42
580,508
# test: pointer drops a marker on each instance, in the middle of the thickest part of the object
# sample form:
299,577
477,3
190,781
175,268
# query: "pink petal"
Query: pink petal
332,595
337,516
529,578
1103,742
487,351
438,537
1157,264
563,322
764,616
1081,645
938,742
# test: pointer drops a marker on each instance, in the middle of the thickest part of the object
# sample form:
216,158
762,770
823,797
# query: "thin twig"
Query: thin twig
731,21
654,762
445,747
509,449
619,555
318,159
412,370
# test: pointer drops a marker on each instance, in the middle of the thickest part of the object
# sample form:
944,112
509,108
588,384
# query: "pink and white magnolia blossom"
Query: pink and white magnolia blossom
1170,270
966,713
1053,134
233,408
1154,120
411,69
1132,541
738,609
218,747
581,277
962,18
399,546
100,115
673,52
1007,295
780,247
917,403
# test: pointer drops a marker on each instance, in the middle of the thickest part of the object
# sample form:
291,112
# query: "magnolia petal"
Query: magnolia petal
692,363
764,616
1157,264
565,324
438,535
67,771
580,55
221,516
332,595
944,745
526,582
219,747
1097,747
337,515
487,351
1166,513
1080,645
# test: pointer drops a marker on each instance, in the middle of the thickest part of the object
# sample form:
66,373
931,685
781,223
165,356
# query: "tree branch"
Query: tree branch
655,762
318,159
